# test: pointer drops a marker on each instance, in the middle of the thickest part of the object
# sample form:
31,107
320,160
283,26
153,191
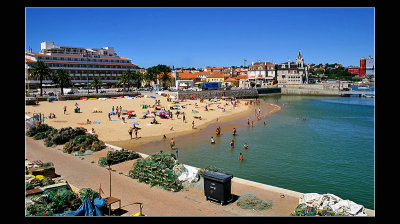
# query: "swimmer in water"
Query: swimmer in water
232,143
241,157
212,140
245,146
234,131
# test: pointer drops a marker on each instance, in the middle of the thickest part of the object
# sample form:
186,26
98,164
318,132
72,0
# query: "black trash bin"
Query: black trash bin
217,186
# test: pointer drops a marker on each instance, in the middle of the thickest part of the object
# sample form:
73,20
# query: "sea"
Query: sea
314,144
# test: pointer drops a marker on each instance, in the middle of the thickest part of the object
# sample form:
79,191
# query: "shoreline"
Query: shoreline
153,144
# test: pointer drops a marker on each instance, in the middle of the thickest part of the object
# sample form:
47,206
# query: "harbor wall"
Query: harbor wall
309,91
241,94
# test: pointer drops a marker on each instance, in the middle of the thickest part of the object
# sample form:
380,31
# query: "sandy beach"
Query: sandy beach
117,130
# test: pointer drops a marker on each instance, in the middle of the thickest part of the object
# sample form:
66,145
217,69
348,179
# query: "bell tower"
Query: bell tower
300,60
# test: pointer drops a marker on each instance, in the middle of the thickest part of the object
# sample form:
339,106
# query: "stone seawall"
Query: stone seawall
243,93
311,92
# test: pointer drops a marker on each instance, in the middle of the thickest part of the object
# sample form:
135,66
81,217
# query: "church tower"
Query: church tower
300,60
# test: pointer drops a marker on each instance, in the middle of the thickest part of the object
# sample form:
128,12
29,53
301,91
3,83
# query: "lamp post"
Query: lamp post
109,162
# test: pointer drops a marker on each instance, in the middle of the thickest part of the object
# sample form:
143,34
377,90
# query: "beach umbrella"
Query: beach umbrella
130,111
162,113
135,123
195,111
176,105
170,105
112,112
153,97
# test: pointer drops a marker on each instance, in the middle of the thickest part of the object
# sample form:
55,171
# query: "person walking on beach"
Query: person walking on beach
248,122
65,109
184,118
241,157
136,131
130,131
192,124
172,143
109,116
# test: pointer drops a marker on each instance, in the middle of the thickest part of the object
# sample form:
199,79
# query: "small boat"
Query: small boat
363,87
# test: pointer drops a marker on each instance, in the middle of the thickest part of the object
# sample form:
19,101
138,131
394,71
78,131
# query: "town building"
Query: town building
292,72
261,74
82,64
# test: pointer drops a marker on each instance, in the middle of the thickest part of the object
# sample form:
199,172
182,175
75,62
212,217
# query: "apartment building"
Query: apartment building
82,64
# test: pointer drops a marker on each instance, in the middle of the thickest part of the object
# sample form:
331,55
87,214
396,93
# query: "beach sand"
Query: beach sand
117,131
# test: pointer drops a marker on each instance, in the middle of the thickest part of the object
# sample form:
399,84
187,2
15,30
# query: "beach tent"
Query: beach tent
135,123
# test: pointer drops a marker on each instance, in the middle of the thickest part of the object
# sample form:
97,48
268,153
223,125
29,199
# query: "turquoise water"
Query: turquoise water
332,151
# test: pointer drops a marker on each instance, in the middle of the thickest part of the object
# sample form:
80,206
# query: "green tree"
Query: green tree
162,73
125,78
96,83
138,77
40,71
61,78
150,75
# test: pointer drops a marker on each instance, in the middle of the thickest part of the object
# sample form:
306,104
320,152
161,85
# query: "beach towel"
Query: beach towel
81,123
115,120
96,122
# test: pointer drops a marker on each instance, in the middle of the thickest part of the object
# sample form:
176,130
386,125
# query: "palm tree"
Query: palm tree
125,78
139,77
40,71
150,75
61,78
96,83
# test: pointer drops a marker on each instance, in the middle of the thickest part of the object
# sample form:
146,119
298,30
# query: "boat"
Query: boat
363,87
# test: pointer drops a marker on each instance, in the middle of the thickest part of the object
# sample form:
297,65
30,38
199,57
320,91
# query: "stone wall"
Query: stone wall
243,93
311,92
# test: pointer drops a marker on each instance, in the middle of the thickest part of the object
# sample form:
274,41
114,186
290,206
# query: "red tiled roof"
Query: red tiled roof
216,75
230,79
186,75
29,60
241,77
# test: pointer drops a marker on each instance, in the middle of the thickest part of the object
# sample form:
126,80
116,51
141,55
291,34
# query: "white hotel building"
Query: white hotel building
82,64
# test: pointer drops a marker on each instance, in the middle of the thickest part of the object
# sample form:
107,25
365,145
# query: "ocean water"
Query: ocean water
330,151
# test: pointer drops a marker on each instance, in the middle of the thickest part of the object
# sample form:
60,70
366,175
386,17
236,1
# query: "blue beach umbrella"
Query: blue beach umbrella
135,123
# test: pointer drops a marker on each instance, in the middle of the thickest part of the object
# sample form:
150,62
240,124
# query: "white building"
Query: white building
82,64
292,72
261,74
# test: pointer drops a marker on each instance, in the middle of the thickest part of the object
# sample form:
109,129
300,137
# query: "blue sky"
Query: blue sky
200,37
